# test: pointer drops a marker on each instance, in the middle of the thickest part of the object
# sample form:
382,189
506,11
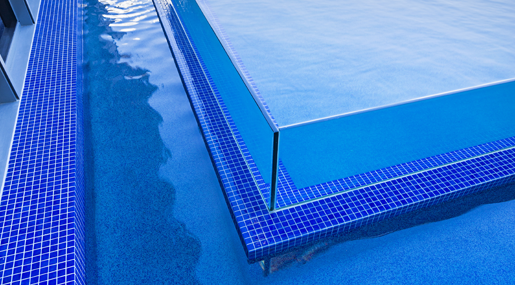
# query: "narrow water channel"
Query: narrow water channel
156,213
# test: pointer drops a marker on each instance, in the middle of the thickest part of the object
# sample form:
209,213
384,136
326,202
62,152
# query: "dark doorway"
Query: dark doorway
7,26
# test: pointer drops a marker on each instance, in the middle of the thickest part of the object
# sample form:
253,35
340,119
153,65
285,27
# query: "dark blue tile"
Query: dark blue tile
355,202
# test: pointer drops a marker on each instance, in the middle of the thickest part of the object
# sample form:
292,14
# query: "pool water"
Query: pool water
316,155
157,215
313,59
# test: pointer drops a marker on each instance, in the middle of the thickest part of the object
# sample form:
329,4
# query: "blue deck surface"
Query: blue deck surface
265,233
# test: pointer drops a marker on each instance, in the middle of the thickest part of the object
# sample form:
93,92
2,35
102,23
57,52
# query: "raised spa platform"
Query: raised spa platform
308,214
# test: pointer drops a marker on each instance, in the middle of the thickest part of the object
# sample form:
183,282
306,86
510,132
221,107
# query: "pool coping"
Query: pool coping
42,210
264,233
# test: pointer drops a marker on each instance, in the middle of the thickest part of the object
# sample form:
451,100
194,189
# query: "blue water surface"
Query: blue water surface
157,215
360,142
312,59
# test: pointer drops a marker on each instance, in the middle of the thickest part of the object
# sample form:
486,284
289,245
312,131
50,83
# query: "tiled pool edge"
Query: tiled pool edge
42,206
288,194
80,202
266,233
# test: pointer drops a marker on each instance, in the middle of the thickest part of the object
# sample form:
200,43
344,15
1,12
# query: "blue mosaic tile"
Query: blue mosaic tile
287,193
42,203
330,208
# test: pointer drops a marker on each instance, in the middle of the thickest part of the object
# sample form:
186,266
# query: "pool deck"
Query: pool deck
366,198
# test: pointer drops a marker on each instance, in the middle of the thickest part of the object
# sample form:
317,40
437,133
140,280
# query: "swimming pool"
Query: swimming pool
333,74
312,60
389,252
187,237
393,159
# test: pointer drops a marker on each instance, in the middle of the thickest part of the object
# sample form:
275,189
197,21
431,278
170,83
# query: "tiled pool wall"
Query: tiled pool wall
369,197
42,205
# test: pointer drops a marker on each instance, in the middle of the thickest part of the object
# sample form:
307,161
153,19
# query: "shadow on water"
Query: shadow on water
132,236
444,211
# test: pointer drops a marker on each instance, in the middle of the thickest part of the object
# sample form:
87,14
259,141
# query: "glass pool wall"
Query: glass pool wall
254,128
314,158
354,144
143,83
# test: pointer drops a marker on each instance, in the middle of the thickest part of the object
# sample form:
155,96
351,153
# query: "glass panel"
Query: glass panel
328,150
243,110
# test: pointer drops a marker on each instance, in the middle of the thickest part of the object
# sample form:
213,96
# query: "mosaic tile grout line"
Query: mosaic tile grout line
288,194
265,233
80,227
42,205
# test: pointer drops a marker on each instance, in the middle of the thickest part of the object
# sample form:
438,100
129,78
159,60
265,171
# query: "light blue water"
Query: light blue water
156,213
312,59
250,121
351,145
361,142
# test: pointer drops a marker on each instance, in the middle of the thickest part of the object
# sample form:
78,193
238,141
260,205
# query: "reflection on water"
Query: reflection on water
132,236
